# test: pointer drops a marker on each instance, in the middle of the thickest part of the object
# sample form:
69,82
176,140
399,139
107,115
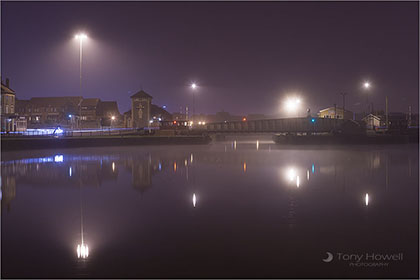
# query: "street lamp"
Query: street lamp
112,119
80,37
367,85
292,105
193,87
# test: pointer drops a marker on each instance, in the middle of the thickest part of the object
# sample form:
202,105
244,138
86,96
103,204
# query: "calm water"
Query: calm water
230,209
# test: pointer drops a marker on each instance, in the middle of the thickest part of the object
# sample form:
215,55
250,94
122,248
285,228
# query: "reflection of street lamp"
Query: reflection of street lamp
367,199
194,200
82,249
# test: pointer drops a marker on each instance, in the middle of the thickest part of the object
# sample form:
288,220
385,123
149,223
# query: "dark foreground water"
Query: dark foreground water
243,209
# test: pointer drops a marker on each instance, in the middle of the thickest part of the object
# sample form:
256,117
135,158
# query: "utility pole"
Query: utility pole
344,100
386,111
409,115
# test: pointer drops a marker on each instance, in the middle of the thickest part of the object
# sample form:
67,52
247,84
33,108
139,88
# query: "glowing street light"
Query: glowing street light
81,37
366,86
193,87
292,105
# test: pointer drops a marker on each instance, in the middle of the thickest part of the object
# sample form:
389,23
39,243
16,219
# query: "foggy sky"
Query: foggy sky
246,57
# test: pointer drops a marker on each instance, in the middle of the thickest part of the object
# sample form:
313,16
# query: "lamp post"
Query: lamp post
112,120
80,37
193,87
366,86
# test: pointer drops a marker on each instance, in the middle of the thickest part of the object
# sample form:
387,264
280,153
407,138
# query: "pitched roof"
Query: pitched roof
141,94
5,89
90,102
56,101
109,107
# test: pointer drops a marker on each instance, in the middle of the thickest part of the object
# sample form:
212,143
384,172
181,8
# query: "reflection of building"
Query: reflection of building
140,109
335,113
8,190
141,175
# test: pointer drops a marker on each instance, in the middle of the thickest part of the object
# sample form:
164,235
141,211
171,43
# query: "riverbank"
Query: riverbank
331,139
30,143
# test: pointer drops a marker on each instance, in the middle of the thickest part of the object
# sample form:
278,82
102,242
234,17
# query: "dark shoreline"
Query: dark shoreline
345,139
30,143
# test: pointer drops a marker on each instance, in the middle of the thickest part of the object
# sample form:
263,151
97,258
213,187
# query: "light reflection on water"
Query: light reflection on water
255,206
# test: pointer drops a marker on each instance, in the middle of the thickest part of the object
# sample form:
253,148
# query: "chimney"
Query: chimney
7,82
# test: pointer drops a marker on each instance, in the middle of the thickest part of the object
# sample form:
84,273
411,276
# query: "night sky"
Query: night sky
246,57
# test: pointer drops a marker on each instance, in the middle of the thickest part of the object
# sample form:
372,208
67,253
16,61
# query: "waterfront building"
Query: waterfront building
10,121
110,115
335,113
67,111
140,109
49,111
372,121
158,115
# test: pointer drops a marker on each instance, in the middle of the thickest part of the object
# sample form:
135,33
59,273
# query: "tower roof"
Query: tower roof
141,94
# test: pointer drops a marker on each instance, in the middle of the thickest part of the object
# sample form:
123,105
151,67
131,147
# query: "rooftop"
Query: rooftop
141,94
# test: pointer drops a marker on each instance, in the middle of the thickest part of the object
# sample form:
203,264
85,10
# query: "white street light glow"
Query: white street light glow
292,104
81,36
366,85
193,86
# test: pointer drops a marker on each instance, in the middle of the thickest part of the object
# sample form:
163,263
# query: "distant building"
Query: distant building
89,113
335,113
140,109
7,99
110,114
251,117
397,121
372,121
49,111
160,113
10,121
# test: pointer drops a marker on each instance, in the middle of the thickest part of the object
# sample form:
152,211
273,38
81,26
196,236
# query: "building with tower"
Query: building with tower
140,109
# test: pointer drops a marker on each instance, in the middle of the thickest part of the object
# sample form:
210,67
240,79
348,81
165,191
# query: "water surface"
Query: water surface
230,209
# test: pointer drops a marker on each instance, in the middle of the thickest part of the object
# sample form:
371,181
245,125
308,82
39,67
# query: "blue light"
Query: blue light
160,166
70,171
59,130
164,106
313,120
69,116
58,158
313,168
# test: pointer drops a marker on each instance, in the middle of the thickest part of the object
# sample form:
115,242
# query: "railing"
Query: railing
277,125
70,133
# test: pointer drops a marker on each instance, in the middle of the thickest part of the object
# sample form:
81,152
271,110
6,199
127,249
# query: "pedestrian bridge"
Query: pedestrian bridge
286,125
